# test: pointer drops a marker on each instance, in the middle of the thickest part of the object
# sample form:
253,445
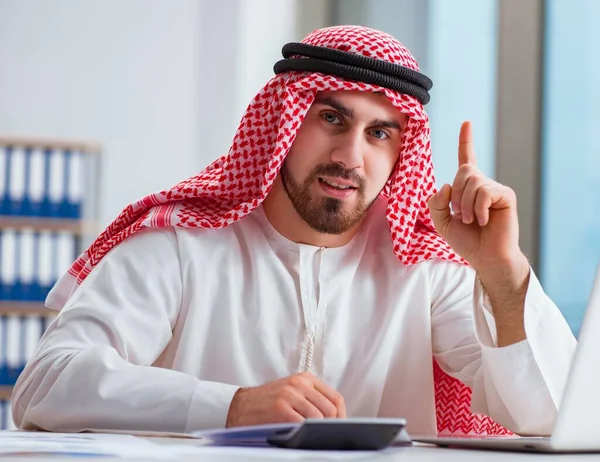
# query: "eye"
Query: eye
379,134
331,118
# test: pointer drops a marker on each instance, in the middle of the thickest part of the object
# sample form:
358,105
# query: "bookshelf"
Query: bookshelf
19,308
86,147
48,196
77,227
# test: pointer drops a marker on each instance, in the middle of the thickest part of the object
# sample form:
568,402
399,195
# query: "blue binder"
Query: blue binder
3,350
57,190
15,293
47,261
5,203
24,208
14,349
9,260
44,183
23,335
46,208
4,178
31,262
2,290
4,417
26,275
18,173
35,183
36,293
74,188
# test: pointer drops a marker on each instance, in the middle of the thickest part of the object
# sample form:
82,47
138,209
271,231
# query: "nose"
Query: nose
350,150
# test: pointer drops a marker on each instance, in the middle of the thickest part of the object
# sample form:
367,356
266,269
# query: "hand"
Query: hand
291,399
483,226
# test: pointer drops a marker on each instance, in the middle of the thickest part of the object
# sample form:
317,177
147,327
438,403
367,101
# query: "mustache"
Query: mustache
339,171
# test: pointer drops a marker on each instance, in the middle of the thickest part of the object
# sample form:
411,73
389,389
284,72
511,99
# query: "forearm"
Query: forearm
521,385
506,287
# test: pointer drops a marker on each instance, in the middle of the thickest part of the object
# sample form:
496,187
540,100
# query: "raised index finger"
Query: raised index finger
466,151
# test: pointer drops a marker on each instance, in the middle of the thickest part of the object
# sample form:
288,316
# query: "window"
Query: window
570,223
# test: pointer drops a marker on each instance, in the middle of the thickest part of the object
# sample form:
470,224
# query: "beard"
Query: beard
326,214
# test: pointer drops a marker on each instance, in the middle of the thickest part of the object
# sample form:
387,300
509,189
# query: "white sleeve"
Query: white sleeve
520,386
93,368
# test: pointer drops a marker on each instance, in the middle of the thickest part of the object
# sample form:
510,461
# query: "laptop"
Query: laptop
576,428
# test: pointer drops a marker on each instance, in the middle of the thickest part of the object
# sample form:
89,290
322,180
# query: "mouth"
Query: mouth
339,184
338,189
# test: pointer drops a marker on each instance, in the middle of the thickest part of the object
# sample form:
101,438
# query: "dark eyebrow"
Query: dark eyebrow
349,113
334,103
378,123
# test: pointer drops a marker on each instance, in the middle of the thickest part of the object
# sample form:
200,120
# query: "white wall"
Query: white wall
241,40
161,84
121,72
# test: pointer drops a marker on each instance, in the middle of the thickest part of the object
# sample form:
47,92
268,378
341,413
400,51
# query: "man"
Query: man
301,276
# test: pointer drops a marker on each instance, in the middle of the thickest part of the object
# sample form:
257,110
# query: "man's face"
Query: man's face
343,155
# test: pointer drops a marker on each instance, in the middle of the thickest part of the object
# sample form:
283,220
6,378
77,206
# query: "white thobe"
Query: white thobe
172,322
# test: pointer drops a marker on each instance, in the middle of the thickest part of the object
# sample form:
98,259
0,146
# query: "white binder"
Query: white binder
27,263
17,180
57,193
15,354
36,181
8,257
75,186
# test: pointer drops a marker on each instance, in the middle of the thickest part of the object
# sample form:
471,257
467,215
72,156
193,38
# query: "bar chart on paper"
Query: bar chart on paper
47,207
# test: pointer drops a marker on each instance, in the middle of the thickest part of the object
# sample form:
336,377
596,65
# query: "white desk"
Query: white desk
421,453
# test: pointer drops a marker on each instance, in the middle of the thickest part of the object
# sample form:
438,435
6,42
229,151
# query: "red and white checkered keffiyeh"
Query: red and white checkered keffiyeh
235,184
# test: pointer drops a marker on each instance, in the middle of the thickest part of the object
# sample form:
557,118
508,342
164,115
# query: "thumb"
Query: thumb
439,207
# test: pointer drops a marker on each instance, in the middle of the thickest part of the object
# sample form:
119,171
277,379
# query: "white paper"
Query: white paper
256,453
145,433
127,446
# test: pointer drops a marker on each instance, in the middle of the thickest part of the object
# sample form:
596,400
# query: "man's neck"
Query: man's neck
285,219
